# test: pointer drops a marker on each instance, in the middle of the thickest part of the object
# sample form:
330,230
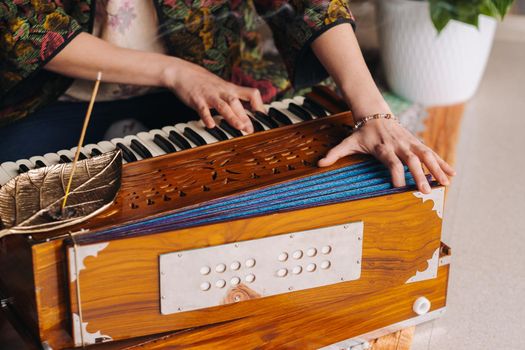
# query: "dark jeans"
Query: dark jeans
58,126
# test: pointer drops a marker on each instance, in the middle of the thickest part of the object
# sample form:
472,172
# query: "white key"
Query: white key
4,176
89,149
125,143
52,158
299,100
128,140
147,140
286,102
39,158
82,149
66,153
106,146
25,162
162,133
168,129
180,129
282,107
198,127
11,168
218,120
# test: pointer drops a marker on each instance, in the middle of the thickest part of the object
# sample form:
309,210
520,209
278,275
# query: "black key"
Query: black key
229,129
64,159
95,152
299,111
266,120
39,164
164,144
194,137
127,154
279,116
314,107
23,169
217,133
256,125
140,149
81,156
178,140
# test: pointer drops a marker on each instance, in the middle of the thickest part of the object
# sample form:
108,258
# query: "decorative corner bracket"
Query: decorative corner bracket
81,335
437,195
430,272
83,253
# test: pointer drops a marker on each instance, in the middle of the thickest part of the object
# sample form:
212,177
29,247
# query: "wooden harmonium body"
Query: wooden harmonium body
237,245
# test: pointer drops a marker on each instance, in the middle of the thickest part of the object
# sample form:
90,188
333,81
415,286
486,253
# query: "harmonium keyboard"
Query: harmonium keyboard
218,240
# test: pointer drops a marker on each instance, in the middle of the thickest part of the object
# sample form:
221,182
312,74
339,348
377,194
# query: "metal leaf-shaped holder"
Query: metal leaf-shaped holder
32,201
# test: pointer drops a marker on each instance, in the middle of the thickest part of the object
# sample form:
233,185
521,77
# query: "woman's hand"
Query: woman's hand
393,145
86,55
202,90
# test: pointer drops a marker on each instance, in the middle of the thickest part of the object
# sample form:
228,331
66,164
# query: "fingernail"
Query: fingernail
426,187
445,182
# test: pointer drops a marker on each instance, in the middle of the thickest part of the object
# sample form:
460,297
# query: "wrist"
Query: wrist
366,103
363,110
168,76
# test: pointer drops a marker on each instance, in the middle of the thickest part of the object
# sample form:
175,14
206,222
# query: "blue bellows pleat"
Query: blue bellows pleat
358,181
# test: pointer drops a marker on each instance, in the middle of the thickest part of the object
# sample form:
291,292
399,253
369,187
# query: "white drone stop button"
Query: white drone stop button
421,306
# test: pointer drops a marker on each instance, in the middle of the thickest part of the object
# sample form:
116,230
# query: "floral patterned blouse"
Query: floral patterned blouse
131,24
218,35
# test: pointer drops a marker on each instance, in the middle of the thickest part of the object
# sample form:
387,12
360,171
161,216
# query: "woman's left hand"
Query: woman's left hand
393,145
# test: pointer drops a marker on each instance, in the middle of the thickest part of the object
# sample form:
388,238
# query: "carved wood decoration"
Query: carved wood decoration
163,184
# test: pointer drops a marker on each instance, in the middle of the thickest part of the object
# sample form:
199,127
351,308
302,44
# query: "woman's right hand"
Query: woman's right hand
202,90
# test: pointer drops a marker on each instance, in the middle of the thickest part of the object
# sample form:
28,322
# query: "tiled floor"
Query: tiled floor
485,214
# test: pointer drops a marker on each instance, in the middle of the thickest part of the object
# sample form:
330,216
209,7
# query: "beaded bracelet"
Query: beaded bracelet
366,119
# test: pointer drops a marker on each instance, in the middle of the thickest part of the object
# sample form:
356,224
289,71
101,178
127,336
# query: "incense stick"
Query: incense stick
82,136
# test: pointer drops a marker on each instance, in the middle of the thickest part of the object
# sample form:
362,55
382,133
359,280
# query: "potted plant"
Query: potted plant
435,51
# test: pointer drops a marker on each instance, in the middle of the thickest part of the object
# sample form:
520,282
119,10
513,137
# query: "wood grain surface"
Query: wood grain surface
400,340
120,287
442,129
310,329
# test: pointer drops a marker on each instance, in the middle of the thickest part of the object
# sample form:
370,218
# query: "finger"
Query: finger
392,162
238,109
254,97
449,170
347,147
414,165
205,115
430,161
227,113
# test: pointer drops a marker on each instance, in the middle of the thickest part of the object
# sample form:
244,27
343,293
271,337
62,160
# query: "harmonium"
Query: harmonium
188,237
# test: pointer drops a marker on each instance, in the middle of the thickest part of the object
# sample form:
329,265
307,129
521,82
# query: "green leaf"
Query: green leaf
503,6
489,9
440,14
466,11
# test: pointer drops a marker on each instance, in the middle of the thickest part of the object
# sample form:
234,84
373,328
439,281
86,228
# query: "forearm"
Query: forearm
86,55
337,49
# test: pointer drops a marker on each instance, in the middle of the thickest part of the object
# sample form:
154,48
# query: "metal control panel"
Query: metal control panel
229,273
